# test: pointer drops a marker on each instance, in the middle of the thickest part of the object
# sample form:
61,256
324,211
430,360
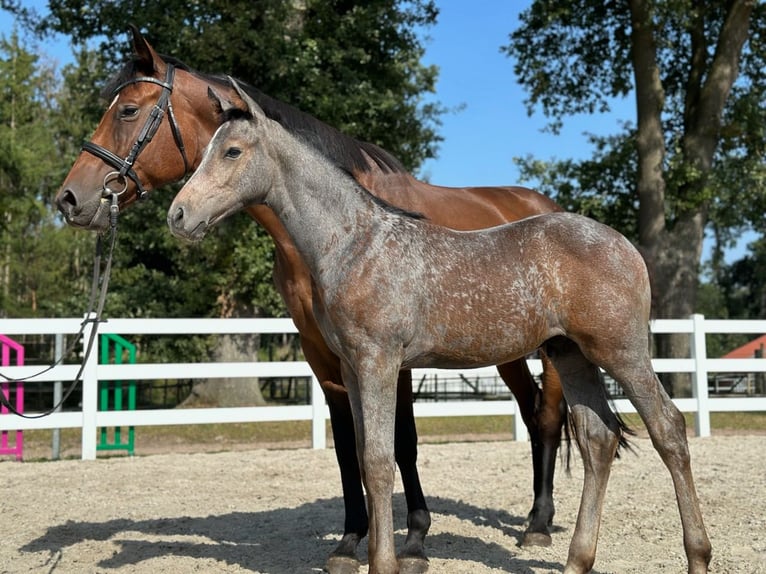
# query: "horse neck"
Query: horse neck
201,115
318,203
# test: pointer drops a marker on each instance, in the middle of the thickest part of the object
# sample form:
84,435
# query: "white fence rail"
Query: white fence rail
89,419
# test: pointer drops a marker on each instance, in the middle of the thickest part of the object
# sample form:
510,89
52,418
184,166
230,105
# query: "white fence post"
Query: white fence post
699,377
318,432
57,394
89,390
520,433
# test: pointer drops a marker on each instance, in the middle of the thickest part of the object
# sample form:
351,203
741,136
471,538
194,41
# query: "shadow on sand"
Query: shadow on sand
280,541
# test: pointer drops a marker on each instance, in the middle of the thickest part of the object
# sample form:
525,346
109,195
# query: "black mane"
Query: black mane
346,152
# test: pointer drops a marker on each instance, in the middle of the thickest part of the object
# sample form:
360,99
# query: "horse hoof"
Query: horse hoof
412,565
536,539
341,565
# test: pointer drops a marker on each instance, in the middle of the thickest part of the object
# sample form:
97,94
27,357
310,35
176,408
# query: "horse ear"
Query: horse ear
252,106
220,103
148,60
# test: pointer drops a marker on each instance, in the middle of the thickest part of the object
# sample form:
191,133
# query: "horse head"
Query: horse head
116,161
217,189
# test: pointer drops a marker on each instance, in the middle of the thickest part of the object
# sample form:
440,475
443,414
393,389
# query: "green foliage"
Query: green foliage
743,283
355,66
598,187
577,57
24,117
573,56
38,258
155,275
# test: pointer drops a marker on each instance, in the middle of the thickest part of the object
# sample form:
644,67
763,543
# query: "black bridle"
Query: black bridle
124,167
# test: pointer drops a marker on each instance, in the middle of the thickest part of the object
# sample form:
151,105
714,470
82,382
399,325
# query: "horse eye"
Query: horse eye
129,112
233,153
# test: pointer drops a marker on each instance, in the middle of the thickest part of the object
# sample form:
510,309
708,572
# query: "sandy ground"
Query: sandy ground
280,511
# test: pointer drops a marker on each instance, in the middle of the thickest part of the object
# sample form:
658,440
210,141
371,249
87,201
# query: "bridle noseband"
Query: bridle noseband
124,167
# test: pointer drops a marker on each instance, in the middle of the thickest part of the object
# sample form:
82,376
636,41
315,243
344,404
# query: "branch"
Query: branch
705,121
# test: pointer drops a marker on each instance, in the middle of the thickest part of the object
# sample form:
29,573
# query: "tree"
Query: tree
355,66
696,71
29,275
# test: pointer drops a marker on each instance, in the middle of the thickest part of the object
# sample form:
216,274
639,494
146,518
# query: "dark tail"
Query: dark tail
624,430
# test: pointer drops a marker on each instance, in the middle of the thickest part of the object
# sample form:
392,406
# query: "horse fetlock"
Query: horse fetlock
699,557
346,548
419,521
413,553
342,565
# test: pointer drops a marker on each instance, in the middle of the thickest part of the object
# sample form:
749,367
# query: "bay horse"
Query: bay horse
134,151
394,291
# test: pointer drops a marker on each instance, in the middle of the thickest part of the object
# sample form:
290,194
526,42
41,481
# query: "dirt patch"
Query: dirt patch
280,511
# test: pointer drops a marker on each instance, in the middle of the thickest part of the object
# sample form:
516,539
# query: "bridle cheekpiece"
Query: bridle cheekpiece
124,167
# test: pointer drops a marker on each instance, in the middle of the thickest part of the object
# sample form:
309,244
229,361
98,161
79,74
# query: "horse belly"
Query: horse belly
479,330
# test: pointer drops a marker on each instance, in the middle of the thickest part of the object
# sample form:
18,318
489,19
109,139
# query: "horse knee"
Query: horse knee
378,471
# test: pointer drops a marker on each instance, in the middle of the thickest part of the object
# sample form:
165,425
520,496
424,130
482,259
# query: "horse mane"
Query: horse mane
234,113
346,152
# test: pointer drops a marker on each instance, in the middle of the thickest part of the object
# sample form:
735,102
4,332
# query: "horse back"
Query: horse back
459,208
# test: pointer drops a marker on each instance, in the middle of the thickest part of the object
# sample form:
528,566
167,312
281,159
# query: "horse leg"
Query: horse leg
412,558
372,393
667,429
598,432
543,413
343,559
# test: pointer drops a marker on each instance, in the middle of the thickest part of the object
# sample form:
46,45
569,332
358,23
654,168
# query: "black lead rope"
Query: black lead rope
98,279
123,171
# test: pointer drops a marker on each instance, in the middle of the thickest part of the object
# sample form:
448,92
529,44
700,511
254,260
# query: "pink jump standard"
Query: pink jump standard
8,347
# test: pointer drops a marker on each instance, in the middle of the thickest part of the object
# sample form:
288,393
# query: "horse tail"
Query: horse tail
624,430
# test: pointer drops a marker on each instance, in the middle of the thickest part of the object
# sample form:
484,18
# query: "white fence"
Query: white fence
89,419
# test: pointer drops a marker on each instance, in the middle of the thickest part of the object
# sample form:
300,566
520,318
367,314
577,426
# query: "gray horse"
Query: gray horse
393,292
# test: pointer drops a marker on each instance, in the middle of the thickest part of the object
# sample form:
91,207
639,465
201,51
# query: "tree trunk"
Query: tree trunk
229,392
675,273
673,252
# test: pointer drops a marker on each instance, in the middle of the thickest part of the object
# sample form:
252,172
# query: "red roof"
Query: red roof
747,351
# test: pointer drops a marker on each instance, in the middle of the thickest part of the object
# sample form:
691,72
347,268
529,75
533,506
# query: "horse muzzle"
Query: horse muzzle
92,214
185,227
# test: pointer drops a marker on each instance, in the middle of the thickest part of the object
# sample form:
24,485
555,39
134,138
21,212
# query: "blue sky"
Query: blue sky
481,140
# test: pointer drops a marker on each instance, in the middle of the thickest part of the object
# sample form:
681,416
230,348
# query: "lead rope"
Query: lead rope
94,291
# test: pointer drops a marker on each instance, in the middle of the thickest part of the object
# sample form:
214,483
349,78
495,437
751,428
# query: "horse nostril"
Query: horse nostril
178,215
67,201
